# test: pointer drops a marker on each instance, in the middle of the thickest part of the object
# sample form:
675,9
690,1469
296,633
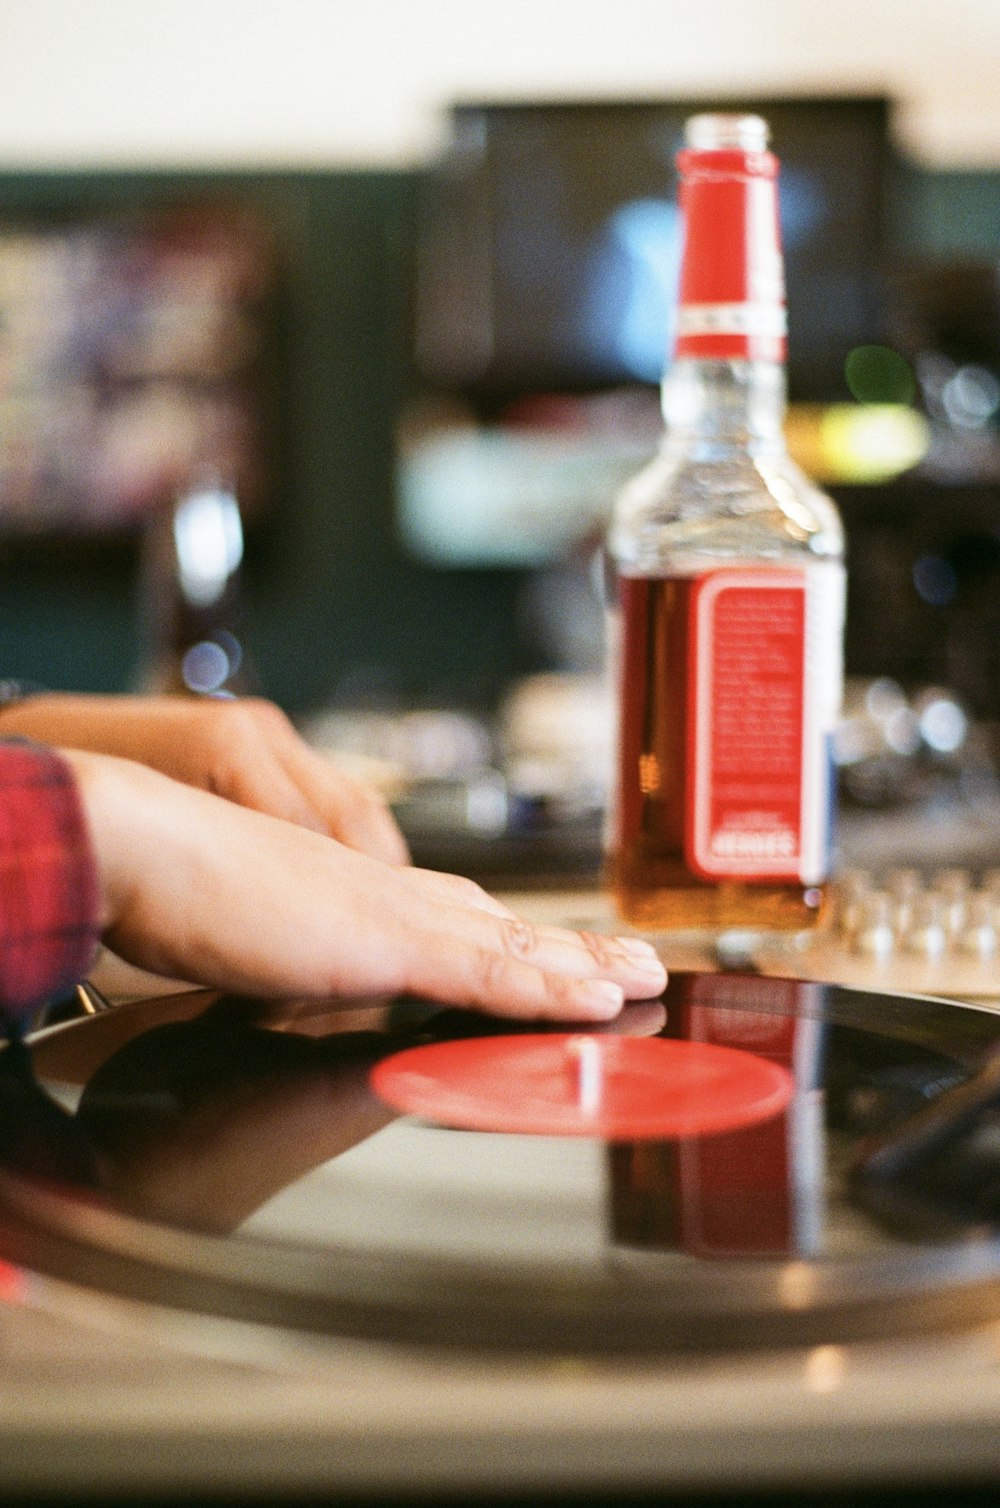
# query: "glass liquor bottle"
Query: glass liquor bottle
192,596
728,591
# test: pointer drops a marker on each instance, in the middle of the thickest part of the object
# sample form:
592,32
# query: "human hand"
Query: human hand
203,890
245,750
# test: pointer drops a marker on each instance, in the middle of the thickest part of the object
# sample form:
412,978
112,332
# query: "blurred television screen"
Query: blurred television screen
133,355
549,247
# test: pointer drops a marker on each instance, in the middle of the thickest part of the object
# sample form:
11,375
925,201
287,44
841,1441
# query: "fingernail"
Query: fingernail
636,947
602,995
647,968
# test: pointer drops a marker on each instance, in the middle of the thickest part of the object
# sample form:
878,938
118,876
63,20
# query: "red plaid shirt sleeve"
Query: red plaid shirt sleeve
48,879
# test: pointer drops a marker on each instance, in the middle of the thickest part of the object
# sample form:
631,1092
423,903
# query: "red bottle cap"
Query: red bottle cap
732,295
559,1084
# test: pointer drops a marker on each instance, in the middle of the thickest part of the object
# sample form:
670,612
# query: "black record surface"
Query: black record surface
227,1156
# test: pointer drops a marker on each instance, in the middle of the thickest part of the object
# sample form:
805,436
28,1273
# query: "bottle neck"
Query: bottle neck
714,408
731,293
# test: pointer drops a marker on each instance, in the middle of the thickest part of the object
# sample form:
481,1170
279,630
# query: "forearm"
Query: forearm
158,731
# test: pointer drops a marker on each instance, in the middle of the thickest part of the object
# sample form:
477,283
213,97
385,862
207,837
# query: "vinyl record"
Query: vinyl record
244,1159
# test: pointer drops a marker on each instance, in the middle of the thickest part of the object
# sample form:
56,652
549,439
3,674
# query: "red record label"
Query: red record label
574,1084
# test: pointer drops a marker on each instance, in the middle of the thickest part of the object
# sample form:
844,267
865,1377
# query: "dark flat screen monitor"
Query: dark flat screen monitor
547,256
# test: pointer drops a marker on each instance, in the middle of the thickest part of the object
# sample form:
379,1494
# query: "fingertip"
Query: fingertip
394,851
647,978
386,837
636,947
600,999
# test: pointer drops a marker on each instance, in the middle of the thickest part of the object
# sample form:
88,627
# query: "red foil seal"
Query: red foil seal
732,292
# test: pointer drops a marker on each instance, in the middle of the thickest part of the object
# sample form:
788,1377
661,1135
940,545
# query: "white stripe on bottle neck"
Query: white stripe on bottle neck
732,319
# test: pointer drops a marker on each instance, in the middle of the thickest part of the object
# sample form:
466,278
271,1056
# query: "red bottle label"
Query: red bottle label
756,753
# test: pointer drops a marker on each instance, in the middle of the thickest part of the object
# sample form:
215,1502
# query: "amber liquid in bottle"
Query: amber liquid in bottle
652,883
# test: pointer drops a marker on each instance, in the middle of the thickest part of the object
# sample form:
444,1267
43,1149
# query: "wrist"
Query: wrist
100,795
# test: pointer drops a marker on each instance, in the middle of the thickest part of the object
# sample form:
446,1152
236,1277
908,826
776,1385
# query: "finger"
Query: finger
502,964
357,816
264,785
493,981
460,890
349,810
629,962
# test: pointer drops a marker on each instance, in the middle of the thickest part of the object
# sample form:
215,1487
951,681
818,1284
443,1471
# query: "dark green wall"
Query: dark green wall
947,214
333,603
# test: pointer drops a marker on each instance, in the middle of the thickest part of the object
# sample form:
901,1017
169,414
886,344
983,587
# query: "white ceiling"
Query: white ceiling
367,82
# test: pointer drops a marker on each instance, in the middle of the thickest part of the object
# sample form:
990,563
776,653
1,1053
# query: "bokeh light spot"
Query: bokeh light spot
877,374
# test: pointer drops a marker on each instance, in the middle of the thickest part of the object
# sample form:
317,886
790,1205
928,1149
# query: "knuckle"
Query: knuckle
227,721
558,992
519,937
599,948
232,732
489,975
217,742
258,712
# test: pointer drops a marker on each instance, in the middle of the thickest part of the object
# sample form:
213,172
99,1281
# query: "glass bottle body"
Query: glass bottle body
721,502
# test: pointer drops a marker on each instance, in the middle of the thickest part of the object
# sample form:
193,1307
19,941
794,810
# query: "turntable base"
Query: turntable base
126,1402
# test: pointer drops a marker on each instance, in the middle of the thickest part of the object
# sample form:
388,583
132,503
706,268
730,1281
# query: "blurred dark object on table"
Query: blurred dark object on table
518,798
191,595
513,797
894,749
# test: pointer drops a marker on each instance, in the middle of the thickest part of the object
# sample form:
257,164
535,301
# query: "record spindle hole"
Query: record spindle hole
583,1058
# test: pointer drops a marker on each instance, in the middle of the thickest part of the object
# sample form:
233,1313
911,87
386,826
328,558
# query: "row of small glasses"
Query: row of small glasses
927,916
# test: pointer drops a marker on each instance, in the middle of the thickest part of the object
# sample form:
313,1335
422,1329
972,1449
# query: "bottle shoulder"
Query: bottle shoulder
731,505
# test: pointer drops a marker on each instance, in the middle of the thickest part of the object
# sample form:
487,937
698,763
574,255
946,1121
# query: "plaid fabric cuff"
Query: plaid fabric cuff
48,879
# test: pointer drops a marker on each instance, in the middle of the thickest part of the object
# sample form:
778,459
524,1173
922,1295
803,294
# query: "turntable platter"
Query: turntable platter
228,1157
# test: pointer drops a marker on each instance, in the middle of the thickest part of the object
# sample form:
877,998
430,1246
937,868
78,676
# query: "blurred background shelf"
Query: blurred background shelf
329,549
